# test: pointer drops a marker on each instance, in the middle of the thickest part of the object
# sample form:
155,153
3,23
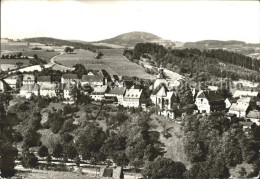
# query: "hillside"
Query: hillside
131,39
60,42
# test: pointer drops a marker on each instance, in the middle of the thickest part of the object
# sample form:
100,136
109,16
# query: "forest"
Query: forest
199,63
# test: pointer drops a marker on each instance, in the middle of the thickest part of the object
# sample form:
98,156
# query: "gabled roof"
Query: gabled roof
254,114
100,89
91,78
239,93
210,96
245,100
133,93
158,88
44,79
30,87
239,107
118,91
5,86
49,86
28,77
70,76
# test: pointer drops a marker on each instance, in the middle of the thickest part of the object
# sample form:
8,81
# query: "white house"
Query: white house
28,79
207,101
241,93
92,80
67,90
70,78
12,81
28,90
239,109
48,89
133,98
254,116
99,93
118,93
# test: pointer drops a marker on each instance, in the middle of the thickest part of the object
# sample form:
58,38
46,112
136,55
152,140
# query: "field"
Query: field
113,62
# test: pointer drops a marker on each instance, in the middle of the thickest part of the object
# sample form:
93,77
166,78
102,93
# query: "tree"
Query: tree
57,151
35,57
66,138
80,70
29,160
43,151
68,49
70,151
164,168
48,159
19,64
90,141
77,161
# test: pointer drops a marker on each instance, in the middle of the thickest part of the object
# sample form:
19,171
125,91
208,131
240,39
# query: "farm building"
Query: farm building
48,89
208,101
28,90
118,93
12,81
92,80
133,98
254,116
99,93
70,78
240,93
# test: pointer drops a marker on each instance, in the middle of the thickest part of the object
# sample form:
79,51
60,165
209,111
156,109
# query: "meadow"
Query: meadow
112,61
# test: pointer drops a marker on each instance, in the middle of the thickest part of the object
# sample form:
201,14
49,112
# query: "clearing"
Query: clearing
113,62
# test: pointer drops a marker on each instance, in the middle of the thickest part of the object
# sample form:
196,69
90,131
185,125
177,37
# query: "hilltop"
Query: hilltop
132,38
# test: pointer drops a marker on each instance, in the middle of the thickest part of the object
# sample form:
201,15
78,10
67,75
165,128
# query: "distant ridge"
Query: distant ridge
130,39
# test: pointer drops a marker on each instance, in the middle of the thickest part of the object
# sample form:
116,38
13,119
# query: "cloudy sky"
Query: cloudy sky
96,20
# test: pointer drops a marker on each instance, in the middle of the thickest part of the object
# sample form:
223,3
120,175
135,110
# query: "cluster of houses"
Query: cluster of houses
129,94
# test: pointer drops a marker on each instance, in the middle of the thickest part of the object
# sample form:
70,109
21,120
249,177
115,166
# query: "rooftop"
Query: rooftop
70,76
239,107
91,78
118,91
44,79
210,95
133,93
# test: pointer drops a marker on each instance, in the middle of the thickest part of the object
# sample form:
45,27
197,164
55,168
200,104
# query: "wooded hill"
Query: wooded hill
59,42
200,63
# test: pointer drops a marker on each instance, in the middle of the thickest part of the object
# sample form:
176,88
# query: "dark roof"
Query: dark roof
161,74
155,91
6,87
91,78
70,76
128,84
44,79
211,96
118,91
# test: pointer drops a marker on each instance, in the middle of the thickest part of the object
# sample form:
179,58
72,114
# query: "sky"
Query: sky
97,20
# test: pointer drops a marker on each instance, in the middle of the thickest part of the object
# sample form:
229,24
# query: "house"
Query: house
99,93
4,86
91,80
111,173
163,98
207,101
48,89
28,90
241,93
247,100
118,93
213,88
70,78
12,81
133,98
67,91
239,109
254,116
28,79
43,80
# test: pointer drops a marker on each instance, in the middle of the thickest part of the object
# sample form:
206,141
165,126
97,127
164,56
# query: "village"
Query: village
131,93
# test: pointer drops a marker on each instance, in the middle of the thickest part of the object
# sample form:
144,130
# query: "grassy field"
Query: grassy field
113,62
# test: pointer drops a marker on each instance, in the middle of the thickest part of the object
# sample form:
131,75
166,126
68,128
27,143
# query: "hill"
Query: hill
131,39
60,42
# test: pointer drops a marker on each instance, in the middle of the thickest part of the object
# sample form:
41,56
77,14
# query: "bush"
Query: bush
29,160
